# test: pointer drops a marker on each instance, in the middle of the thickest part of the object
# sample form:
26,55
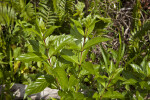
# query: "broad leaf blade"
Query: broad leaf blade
59,43
40,84
130,81
91,28
69,56
72,81
35,45
78,26
62,77
136,68
113,95
116,73
50,31
31,56
33,31
89,67
95,41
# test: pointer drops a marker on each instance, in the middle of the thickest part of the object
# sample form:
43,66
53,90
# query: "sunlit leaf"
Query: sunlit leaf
136,68
31,56
59,43
89,67
130,81
39,85
72,81
113,95
62,77
95,41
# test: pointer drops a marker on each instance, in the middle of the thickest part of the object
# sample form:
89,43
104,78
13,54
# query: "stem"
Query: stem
49,58
82,50
106,87
83,46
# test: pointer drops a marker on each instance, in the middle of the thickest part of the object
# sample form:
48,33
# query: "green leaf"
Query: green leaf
143,64
78,96
39,85
101,80
111,67
50,31
144,85
105,55
72,82
148,68
62,77
89,67
33,31
69,56
84,55
138,95
35,45
130,82
1,74
16,52
137,68
78,26
143,30
31,56
95,41
59,43
65,96
91,28
116,73
113,95
74,32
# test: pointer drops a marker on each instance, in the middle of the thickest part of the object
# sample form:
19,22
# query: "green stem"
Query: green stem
106,87
49,58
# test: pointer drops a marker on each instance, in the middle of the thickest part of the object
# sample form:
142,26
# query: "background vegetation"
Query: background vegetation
87,49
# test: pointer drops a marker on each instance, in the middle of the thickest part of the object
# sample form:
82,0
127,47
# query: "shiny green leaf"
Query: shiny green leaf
137,68
39,85
31,56
59,43
95,41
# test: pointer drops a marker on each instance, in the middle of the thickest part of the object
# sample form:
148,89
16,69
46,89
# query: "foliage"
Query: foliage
51,44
